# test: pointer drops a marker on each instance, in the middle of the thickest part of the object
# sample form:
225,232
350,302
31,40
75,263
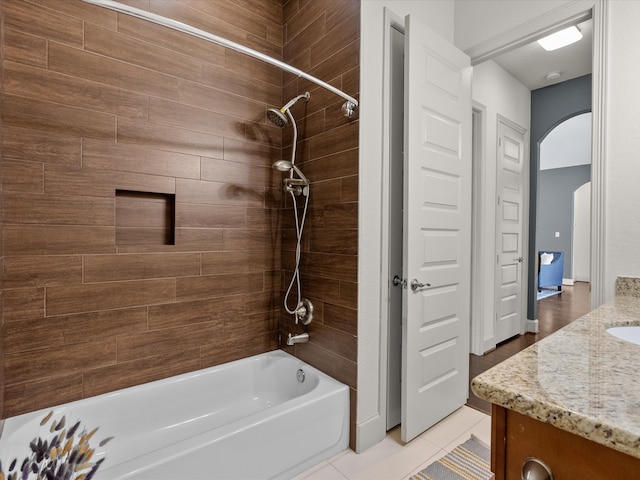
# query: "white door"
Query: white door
582,233
437,229
510,235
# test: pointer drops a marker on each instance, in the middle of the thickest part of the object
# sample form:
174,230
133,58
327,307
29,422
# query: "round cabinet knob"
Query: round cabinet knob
536,469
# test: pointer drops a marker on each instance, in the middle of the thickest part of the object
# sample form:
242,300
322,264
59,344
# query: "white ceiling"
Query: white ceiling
530,63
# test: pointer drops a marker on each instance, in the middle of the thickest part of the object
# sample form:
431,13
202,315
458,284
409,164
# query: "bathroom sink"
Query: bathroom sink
630,333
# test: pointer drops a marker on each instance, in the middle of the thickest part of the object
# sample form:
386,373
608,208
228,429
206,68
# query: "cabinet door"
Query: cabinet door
569,456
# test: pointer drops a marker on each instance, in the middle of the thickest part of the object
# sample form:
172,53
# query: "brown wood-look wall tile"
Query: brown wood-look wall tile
247,20
336,341
349,294
264,218
341,215
265,303
24,48
113,268
169,138
326,289
248,239
297,22
247,261
341,164
195,288
198,239
335,240
341,318
128,49
131,158
49,332
229,351
76,8
198,311
37,146
134,347
312,33
43,22
24,177
249,152
56,361
127,374
242,64
215,100
237,329
212,24
82,64
349,189
252,88
37,271
337,140
340,62
216,170
101,183
174,114
142,236
37,83
341,267
57,210
334,365
171,39
22,304
30,396
325,192
341,30
214,193
56,240
210,216
53,117
107,296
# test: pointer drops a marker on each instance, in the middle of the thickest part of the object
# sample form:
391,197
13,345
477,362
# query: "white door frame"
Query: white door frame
373,257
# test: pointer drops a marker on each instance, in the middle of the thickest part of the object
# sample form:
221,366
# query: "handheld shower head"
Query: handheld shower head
278,117
287,166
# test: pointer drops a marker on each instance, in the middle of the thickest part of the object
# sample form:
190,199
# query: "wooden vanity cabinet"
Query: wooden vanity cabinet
516,437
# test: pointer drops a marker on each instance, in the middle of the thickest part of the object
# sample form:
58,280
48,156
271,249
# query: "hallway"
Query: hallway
553,314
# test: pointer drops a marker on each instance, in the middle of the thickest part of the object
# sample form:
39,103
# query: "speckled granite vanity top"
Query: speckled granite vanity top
580,379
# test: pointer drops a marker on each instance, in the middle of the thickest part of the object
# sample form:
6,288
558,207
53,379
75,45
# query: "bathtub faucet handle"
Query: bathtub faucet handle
304,312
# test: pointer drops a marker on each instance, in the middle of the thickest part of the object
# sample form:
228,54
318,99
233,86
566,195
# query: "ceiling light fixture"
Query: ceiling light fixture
560,39
553,75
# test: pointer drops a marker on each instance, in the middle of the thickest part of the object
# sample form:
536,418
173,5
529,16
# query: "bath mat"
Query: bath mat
547,292
469,461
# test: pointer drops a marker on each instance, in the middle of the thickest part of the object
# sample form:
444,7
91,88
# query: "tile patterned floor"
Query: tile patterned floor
391,459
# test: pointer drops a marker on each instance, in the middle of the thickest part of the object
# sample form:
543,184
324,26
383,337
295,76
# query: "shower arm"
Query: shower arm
348,109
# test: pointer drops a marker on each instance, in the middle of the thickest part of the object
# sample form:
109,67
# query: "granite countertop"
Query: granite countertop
580,379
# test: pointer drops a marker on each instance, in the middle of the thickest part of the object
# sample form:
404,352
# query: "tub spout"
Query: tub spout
300,338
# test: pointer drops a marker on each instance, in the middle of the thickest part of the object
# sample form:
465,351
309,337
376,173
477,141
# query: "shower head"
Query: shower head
278,117
287,166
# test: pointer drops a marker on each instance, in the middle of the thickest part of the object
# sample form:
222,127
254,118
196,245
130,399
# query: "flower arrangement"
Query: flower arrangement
66,456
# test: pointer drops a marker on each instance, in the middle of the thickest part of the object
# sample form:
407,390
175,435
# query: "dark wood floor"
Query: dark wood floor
553,313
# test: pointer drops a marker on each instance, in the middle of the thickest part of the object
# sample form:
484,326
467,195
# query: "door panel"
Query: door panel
510,258
437,224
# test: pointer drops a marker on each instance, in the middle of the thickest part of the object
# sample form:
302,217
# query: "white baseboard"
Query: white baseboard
568,281
531,326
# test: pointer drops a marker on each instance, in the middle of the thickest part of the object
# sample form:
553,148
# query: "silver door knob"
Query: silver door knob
399,281
520,259
415,284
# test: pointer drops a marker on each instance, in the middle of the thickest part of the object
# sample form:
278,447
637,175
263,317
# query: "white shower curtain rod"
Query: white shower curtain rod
348,108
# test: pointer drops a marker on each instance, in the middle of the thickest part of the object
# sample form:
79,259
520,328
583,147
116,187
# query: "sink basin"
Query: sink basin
630,333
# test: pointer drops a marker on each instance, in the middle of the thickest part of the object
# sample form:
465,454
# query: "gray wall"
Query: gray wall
550,106
555,209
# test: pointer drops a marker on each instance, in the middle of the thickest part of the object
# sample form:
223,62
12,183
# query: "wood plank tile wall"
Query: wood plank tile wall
94,101
323,38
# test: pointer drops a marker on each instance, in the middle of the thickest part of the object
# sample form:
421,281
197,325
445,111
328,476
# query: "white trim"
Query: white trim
598,152
525,33
196,32
478,344
532,326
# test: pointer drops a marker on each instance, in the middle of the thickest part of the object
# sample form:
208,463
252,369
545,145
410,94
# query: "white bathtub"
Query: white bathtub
248,419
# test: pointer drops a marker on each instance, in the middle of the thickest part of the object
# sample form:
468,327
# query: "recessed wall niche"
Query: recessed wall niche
145,218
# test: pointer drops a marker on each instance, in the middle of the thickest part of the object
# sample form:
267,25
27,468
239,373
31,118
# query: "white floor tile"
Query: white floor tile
392,459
